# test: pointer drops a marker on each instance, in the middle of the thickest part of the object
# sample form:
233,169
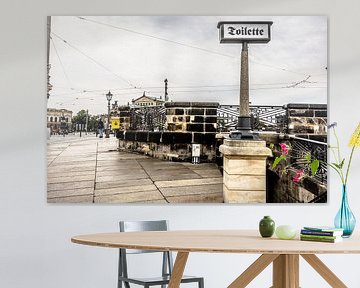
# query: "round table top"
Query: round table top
217,241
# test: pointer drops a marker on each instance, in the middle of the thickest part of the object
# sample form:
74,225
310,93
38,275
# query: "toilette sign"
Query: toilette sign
244,31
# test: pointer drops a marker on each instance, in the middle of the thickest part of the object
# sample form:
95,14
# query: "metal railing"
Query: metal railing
300,147
148,118
265,117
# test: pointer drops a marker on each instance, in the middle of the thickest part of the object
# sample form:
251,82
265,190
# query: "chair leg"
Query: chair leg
201,283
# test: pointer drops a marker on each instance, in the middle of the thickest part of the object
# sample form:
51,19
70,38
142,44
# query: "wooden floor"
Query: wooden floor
91,170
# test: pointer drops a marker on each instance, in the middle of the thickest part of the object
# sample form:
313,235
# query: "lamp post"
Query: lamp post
108,97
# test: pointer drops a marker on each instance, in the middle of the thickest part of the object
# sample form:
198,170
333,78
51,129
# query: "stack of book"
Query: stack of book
321,234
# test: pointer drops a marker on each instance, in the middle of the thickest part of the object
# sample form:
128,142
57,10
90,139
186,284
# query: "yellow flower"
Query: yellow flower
355,138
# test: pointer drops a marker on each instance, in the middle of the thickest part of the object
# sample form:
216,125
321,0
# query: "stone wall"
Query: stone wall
306,119
284,190
175,146
191,116
281,188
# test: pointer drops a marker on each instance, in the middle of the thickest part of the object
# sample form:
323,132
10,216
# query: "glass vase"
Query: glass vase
345,219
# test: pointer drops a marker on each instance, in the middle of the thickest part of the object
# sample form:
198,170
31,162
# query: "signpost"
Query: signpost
244,32
115,123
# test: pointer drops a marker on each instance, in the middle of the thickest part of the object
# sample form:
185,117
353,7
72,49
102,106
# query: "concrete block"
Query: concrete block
244,166
243,196
245,182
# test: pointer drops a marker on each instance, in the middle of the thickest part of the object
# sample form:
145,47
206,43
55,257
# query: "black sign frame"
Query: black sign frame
220,26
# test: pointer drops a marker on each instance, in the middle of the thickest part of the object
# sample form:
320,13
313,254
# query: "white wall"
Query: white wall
35,248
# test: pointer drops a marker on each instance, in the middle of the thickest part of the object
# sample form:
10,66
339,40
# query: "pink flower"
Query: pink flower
298,176
284,148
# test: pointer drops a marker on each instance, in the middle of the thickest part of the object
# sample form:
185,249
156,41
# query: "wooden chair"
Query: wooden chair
167,262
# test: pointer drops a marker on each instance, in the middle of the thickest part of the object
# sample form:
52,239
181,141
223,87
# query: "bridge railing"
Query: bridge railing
264,117
300,147
148,118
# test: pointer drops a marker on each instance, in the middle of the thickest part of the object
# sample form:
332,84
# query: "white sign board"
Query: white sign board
196,150
238,32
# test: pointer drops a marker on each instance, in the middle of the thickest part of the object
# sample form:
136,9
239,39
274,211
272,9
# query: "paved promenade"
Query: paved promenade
92,170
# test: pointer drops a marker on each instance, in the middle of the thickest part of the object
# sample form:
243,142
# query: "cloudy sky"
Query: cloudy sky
131,54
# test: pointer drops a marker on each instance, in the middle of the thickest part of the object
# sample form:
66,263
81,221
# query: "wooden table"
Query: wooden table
284,254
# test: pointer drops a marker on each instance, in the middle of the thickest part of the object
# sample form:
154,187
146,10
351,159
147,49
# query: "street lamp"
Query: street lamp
108,97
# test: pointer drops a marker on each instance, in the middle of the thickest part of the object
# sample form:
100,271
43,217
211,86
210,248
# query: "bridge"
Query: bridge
167,132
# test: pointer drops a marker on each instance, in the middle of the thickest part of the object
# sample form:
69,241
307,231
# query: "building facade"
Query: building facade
59,119
147,101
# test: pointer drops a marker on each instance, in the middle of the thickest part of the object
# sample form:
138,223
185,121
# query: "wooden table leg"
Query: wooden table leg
324,271
253,270
178,270
286,271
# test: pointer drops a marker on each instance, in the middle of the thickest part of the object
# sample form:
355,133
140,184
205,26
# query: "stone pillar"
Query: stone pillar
244,170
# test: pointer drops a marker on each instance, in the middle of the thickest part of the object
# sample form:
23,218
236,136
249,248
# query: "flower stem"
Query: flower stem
348,166
350,159
339,157
338,145
336,169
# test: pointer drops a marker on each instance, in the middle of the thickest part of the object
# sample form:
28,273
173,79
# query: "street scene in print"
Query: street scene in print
187,109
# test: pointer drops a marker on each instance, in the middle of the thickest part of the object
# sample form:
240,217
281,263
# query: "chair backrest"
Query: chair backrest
134,226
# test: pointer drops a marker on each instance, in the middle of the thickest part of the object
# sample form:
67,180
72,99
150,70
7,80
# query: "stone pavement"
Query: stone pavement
92,170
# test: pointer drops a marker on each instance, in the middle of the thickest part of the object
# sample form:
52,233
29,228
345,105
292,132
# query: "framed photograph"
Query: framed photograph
187,109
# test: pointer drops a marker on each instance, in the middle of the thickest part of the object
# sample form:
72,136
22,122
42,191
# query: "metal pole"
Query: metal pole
244,121
244,82
166,89
108,121
87,121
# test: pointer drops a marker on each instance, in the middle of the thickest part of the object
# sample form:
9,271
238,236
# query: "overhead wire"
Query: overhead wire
290,85
61,63
94,60
188,86
190,46
156,37
163,39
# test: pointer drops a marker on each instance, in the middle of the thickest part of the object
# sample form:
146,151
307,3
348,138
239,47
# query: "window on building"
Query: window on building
55,119
51,119
67,119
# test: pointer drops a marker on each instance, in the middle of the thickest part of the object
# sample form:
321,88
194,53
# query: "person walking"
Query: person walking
101,128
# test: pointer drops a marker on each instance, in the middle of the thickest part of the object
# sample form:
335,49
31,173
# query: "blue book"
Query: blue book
322,231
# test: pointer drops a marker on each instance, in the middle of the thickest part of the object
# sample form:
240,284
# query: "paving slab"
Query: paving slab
208,198
123,183
208,173
190,190
72,168
132,197
124,190
74,163
74,199
79,178
121,177
175,177
188,182
71,192
70,185
55,173
90,169
121,173
120,167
